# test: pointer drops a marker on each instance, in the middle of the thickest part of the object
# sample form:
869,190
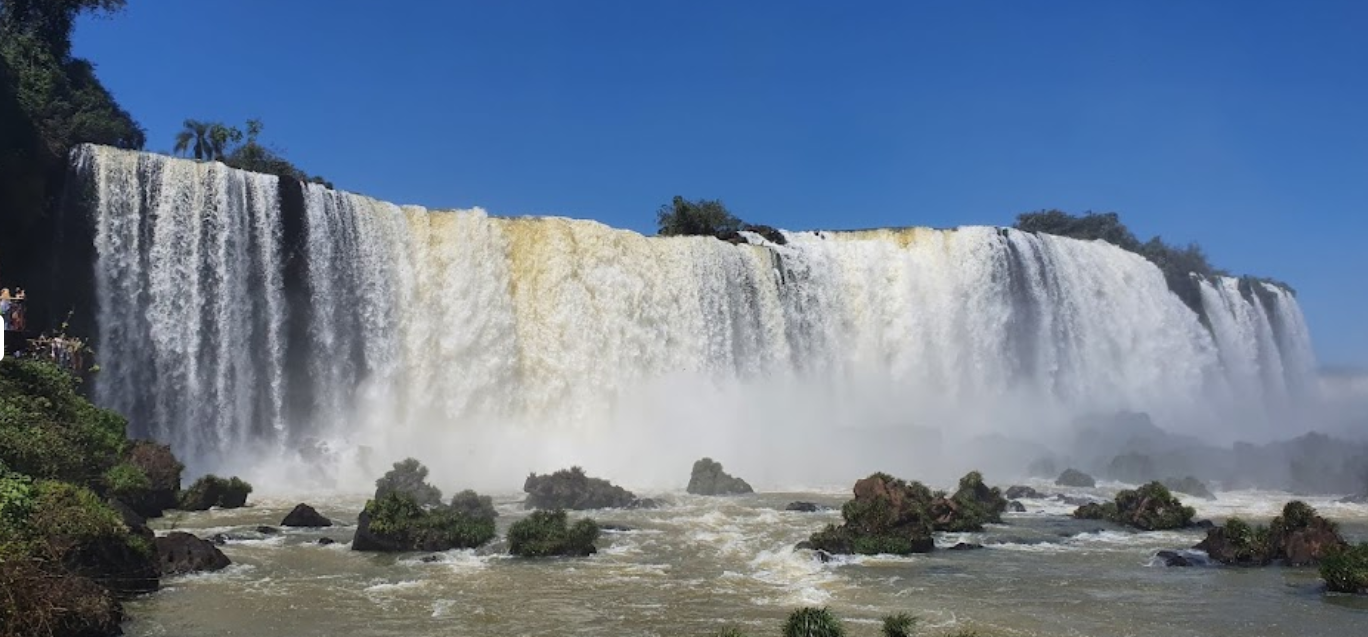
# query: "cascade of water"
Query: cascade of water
416,326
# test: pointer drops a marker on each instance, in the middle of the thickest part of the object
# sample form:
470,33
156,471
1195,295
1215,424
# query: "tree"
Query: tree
206,140
51,20
702,217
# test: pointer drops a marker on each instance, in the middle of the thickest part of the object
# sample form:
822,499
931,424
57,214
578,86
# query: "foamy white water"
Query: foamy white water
352,332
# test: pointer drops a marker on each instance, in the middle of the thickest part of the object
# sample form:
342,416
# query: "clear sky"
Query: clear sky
1242,125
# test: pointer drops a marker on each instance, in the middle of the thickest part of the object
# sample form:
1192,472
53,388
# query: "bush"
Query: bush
409,476
396,521
158,463
126,482
1148,508
887,516
813,622
474,505
975,505
72,526
49,431
548,533
1346,570
703,217
899,625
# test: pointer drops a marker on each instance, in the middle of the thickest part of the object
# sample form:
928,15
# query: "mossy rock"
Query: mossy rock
549,533
574,490
213,491
1298,537
161,471
973,505
1075,478
1190,486
1149,508
1346,570
887,515
397,522
708,478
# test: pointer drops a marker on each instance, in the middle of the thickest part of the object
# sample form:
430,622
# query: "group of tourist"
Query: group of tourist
12,309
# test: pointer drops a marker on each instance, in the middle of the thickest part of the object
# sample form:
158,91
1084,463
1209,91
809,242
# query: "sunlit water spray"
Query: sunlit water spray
489,347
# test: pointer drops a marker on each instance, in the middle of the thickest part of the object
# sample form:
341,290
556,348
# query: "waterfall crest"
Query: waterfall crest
402,330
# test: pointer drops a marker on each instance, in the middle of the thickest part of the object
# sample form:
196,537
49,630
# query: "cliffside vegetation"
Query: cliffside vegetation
708,217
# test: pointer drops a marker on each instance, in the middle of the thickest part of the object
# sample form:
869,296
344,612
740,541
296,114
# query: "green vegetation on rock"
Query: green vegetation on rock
396,521
549,533
1346,570
708,217
1298,537
48,430
473,505
213,491
973,505
892,516
574,490
409,477
813,622
1150,507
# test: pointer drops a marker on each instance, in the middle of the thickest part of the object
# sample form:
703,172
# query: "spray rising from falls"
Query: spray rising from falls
237,314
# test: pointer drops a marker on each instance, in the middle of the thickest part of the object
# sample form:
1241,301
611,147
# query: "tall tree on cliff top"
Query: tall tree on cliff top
51,21
206,140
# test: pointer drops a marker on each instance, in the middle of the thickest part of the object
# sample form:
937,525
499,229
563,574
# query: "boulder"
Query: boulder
180,553
163,472
973,505
213,491
1298,537
1075,478
1173,558
1148,508
887,515
1017,492
805,507
966,546
548,533
1189,486
304,515
1015,506
396,522
1076,501
573,489
267,530
644,503
326,541
1204,524
708,478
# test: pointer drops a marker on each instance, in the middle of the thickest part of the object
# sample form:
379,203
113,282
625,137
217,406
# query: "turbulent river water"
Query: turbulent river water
700,564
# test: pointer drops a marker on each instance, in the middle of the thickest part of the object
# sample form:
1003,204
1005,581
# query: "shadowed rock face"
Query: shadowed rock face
708,478
1075,478
305,516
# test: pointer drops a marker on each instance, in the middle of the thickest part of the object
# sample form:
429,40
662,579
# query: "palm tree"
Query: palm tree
207,140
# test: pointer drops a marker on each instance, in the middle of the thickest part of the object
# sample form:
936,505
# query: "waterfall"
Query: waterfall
495,344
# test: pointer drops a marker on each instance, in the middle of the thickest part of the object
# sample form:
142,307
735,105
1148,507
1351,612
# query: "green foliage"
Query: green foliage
975,504
548,533
899,625
1346,570
575,490
68,519
126,481
213,491
1149,508
39,599
399,518
1248,545
890,517
730,631
17,500
1296,515
216,141
703,217
474,505
156,461
813,622
48,430
410,477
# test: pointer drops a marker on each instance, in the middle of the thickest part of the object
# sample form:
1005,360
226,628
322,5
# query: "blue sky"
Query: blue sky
1242,125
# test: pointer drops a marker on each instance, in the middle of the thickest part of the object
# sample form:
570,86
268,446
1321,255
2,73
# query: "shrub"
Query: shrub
703,217
211,490
409,476
899,625
1151,507
975,505
813,622
474,505
161,467
887,515
48,430
1346,570
126,482
38,600
396,521
548,533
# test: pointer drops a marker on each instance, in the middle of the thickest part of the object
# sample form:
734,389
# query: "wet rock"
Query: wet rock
616,528
430,559
887,515
1075,478
644,503
1148,508
1204,524
267,530
1016,507
181,553
1173,558
213,491
304,515
1017,492
1189,486
708,478
574,490
1076,501
805,507
966,546
326,541
397,522
1298,537
220,539
163,473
